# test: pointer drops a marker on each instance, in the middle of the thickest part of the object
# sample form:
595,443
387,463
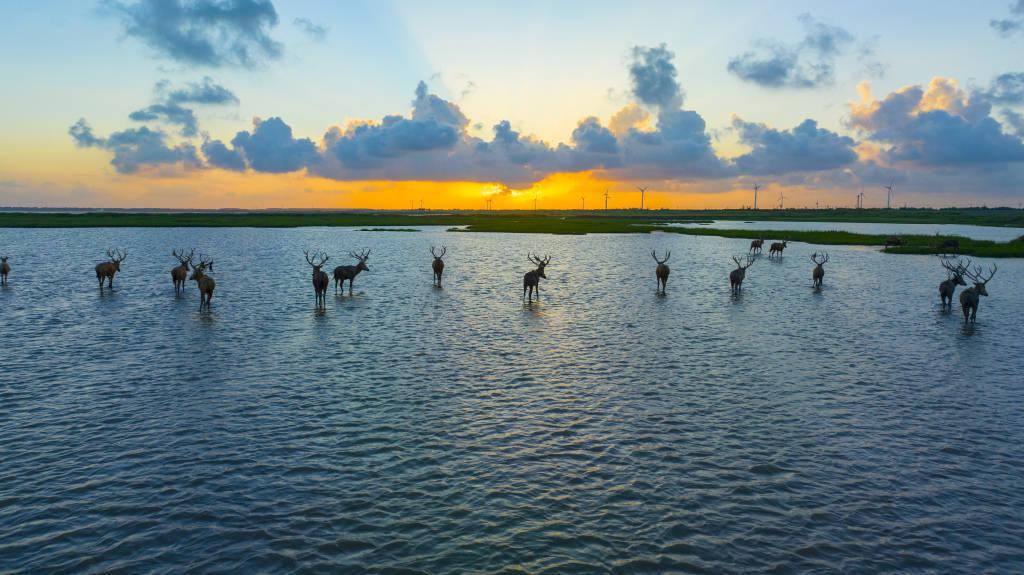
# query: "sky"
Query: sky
352,104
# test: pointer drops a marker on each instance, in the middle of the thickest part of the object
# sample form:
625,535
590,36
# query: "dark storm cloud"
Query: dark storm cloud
806,64
315,31
1015,23
203,32
805,148
134,149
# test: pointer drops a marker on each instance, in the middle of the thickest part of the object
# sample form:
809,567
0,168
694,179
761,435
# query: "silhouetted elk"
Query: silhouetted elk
320,280
180,273
956,278
949,245
532,279
438,264
777,248
736,276
106,270
969,297
819,271
342,273
5,268
662,271
755,246
204,282
893,241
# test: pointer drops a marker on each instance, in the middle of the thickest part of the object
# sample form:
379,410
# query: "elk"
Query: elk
106,270
736,276
777,248
5,268
437,264
180,272
342,273
819,271
320,281
662,271
204,282
755,246
956,278
532,279
893,241
969,297
949,245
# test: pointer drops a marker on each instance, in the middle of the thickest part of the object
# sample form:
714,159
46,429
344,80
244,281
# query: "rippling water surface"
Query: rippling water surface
411,429
991,233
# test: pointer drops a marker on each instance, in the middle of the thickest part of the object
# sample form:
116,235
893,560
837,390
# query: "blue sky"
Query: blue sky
541,66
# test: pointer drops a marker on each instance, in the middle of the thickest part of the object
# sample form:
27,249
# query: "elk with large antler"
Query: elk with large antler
438,264
342,273
819,270
969,297
956,278
737,275
755,246
531,281
661,272
320,281
777,248
180,273
204,282
5,268
106,270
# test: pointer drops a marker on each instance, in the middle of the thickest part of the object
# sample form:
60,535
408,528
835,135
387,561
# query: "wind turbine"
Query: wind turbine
756,187
642,190
606,198
888,195
782,200
584,200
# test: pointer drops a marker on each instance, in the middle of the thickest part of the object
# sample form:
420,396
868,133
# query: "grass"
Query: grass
574,223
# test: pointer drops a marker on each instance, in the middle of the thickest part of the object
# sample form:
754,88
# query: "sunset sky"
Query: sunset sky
260,103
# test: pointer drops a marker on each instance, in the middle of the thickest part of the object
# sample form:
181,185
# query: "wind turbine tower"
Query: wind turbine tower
888,195
782,200
606,198
642,190
756,187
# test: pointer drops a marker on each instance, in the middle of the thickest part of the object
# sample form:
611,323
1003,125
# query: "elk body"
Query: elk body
777,248
956,278
662,271
531,281
819,270
106,270
438,264
204,282
893,241
180,273
969,297
320,281
755,246
737,275
5,268
342,273
948,246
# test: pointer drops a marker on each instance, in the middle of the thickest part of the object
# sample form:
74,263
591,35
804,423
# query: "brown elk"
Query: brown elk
777,248
893,241
180,272
437,264
5,268
204,282
736,276
755,246
320,281
342,273
819,270
662,271
956,278
949,245
969,297
106,270
532,279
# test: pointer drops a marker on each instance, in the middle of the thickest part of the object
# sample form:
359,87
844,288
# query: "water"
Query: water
973,232
409,429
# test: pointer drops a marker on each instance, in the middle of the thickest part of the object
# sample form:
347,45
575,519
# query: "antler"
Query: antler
824,259
667,255
362,256
959,269
444,250
182,258
750,262
116,255
203,262
317,254
533,259
976,274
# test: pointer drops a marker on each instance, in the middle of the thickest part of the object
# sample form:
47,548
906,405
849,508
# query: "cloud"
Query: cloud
210,33
315,31
629,117
170,113
940,125
805,148
1006,89
1015,23
220,156
271,148
135,149
653,77
204,92
807,64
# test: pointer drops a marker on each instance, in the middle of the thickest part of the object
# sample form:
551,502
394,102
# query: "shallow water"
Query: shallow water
411,429
974,232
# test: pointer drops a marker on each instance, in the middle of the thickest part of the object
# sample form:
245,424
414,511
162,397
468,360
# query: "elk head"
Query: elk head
199,270
957,271
661,262
437,257
819,260
317,260
116,257
976,277
741,267
184,260
362,257
540,263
